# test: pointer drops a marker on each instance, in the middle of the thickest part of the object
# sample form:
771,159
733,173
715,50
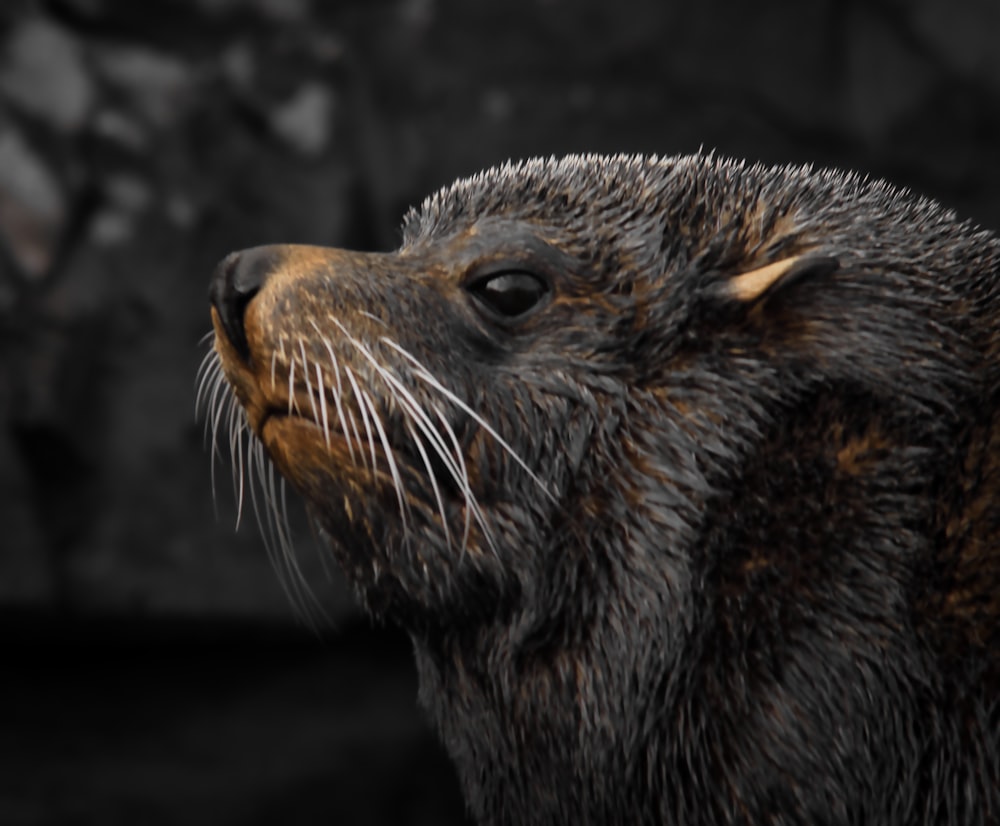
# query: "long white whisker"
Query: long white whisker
217,405
209,399
409,402
322,404
309,605
424,374
236,449
413,408
463,480
357,434
423,422
291,387
433,480
309,390
274,538
203,378
397,479
252,469
338,392
265,523
458,471
213,391
364,416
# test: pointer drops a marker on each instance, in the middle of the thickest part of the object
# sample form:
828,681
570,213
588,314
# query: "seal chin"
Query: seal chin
299,449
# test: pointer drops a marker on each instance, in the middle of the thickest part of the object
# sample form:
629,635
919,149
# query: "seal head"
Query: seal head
681,473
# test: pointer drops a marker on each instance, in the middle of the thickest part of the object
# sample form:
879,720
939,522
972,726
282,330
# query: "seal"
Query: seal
682,474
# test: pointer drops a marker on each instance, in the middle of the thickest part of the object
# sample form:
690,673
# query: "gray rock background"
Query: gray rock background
142,141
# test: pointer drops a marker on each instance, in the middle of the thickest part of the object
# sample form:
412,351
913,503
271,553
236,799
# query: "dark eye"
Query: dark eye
509,294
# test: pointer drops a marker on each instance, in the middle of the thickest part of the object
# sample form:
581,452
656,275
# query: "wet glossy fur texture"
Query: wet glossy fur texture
710,536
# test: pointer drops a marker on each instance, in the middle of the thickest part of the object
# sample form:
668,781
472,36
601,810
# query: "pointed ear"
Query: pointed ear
757,285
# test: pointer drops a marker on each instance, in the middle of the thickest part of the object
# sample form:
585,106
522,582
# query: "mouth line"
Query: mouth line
330,430
334,434
276,413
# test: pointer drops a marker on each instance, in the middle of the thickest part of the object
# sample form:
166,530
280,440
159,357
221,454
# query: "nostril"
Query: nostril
236,280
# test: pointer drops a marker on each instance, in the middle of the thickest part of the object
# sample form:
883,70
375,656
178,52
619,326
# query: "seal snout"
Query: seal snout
236,280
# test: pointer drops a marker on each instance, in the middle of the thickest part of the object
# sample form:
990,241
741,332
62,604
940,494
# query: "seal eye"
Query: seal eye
509,294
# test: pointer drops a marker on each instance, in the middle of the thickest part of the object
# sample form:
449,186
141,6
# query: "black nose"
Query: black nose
236,280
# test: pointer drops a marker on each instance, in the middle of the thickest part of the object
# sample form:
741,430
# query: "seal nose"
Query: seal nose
236,280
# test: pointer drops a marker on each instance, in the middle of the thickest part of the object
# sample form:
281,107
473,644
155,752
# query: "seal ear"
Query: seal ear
754,286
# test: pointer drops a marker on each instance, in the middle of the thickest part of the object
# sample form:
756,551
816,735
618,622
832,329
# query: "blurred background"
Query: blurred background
152,670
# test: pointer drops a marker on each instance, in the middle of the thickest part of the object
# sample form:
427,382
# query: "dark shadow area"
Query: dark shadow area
184,722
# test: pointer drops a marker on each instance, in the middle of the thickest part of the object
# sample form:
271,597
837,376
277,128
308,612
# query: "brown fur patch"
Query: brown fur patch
858,453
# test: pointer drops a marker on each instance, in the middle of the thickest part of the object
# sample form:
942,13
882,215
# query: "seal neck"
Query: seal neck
559,735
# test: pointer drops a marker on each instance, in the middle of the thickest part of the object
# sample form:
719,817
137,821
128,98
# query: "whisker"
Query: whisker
216,403
215,381
357,433
338,391
209,399
253,474
424,374
203,378
236,428
413,409
265,521
364,416
309,606
406,400
397,479
309,390
463,482
217,407
322,404
433,480
374,317
229,409
265,507
273,525
458,472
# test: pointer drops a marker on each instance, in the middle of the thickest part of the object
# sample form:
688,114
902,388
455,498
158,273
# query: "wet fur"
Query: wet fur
681,547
